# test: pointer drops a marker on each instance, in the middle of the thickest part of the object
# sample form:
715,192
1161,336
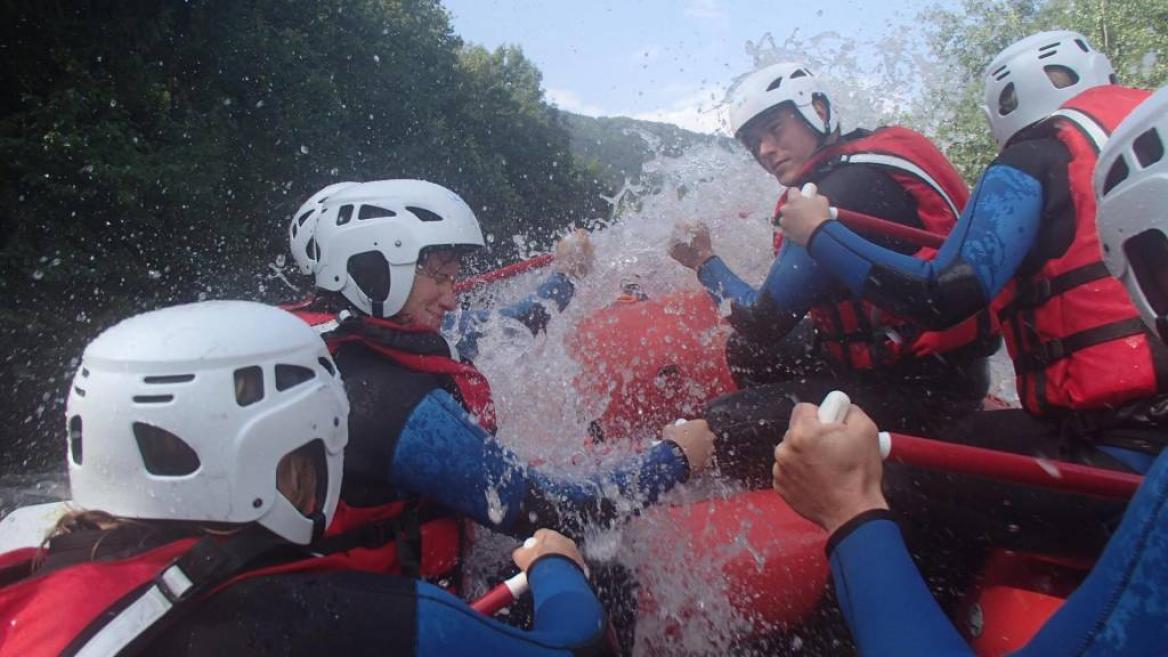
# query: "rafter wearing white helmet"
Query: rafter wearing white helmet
371,237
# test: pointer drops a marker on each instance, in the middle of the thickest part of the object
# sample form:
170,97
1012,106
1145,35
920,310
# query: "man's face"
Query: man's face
782,142
433,293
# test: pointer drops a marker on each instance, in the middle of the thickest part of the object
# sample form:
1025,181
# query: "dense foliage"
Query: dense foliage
153,152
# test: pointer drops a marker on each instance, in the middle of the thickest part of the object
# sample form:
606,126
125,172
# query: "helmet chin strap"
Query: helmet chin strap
319,524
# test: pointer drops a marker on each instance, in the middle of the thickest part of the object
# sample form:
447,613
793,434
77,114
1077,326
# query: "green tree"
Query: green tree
965,40
154,151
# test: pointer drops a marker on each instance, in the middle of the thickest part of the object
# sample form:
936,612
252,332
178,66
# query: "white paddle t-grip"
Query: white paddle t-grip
810,190
835,405
517,584
835,408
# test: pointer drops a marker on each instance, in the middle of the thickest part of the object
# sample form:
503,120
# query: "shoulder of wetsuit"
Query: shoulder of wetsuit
382,396
1045,159
868,189
1037,156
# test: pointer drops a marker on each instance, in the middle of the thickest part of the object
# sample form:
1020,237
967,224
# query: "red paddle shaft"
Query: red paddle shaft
866,223
990,463
1015,468
504,272
502,595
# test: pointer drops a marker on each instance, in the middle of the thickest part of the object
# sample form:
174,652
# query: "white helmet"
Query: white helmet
387,223
1131,185
1018,89
771,86
184,414
302,229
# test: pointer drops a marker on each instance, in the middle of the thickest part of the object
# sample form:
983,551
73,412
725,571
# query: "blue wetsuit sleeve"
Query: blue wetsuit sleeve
883,597
1122,606
795,282
443,454
993,236
793,285
568,619
531,311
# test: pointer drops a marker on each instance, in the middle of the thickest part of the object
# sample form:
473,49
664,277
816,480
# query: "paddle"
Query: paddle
505,592
866,223
993,464
502,273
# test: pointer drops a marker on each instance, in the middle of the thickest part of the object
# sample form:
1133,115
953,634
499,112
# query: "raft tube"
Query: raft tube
651,361
767,562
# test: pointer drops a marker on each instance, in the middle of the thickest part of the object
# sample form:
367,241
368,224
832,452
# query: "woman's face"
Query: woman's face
433,293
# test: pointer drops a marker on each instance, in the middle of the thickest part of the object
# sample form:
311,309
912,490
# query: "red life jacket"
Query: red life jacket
853,331
63,611
426,541
473,388
1075,337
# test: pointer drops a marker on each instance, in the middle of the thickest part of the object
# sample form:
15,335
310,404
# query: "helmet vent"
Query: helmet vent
328,365
1115,175
290,376
303,218
1082,45
80,392
294,230
311,249
1061,76
424,214
75,451
170,378
1146,253
163,453
801,73
1007,100
249,385
1049,50
1149,148
374,212
1001,73
153,399
775,84
370,271
344,215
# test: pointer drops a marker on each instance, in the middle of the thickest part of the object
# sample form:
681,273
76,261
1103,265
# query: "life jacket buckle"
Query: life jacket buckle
174,584
1049,352
1034,294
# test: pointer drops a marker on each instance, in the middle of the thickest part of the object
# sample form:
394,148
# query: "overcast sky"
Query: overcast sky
663,60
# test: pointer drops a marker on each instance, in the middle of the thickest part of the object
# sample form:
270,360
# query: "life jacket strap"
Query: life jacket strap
128,624
907,166
1052,350
1033,293
1092,129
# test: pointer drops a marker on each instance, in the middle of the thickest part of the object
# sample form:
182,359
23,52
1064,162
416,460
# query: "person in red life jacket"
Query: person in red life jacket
205,451
573,261
910,378
423,421
830,472
1087,372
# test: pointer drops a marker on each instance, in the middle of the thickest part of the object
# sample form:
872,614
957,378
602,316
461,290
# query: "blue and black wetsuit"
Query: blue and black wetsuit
1121,609
356,613
775,353
410,435
1016,220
